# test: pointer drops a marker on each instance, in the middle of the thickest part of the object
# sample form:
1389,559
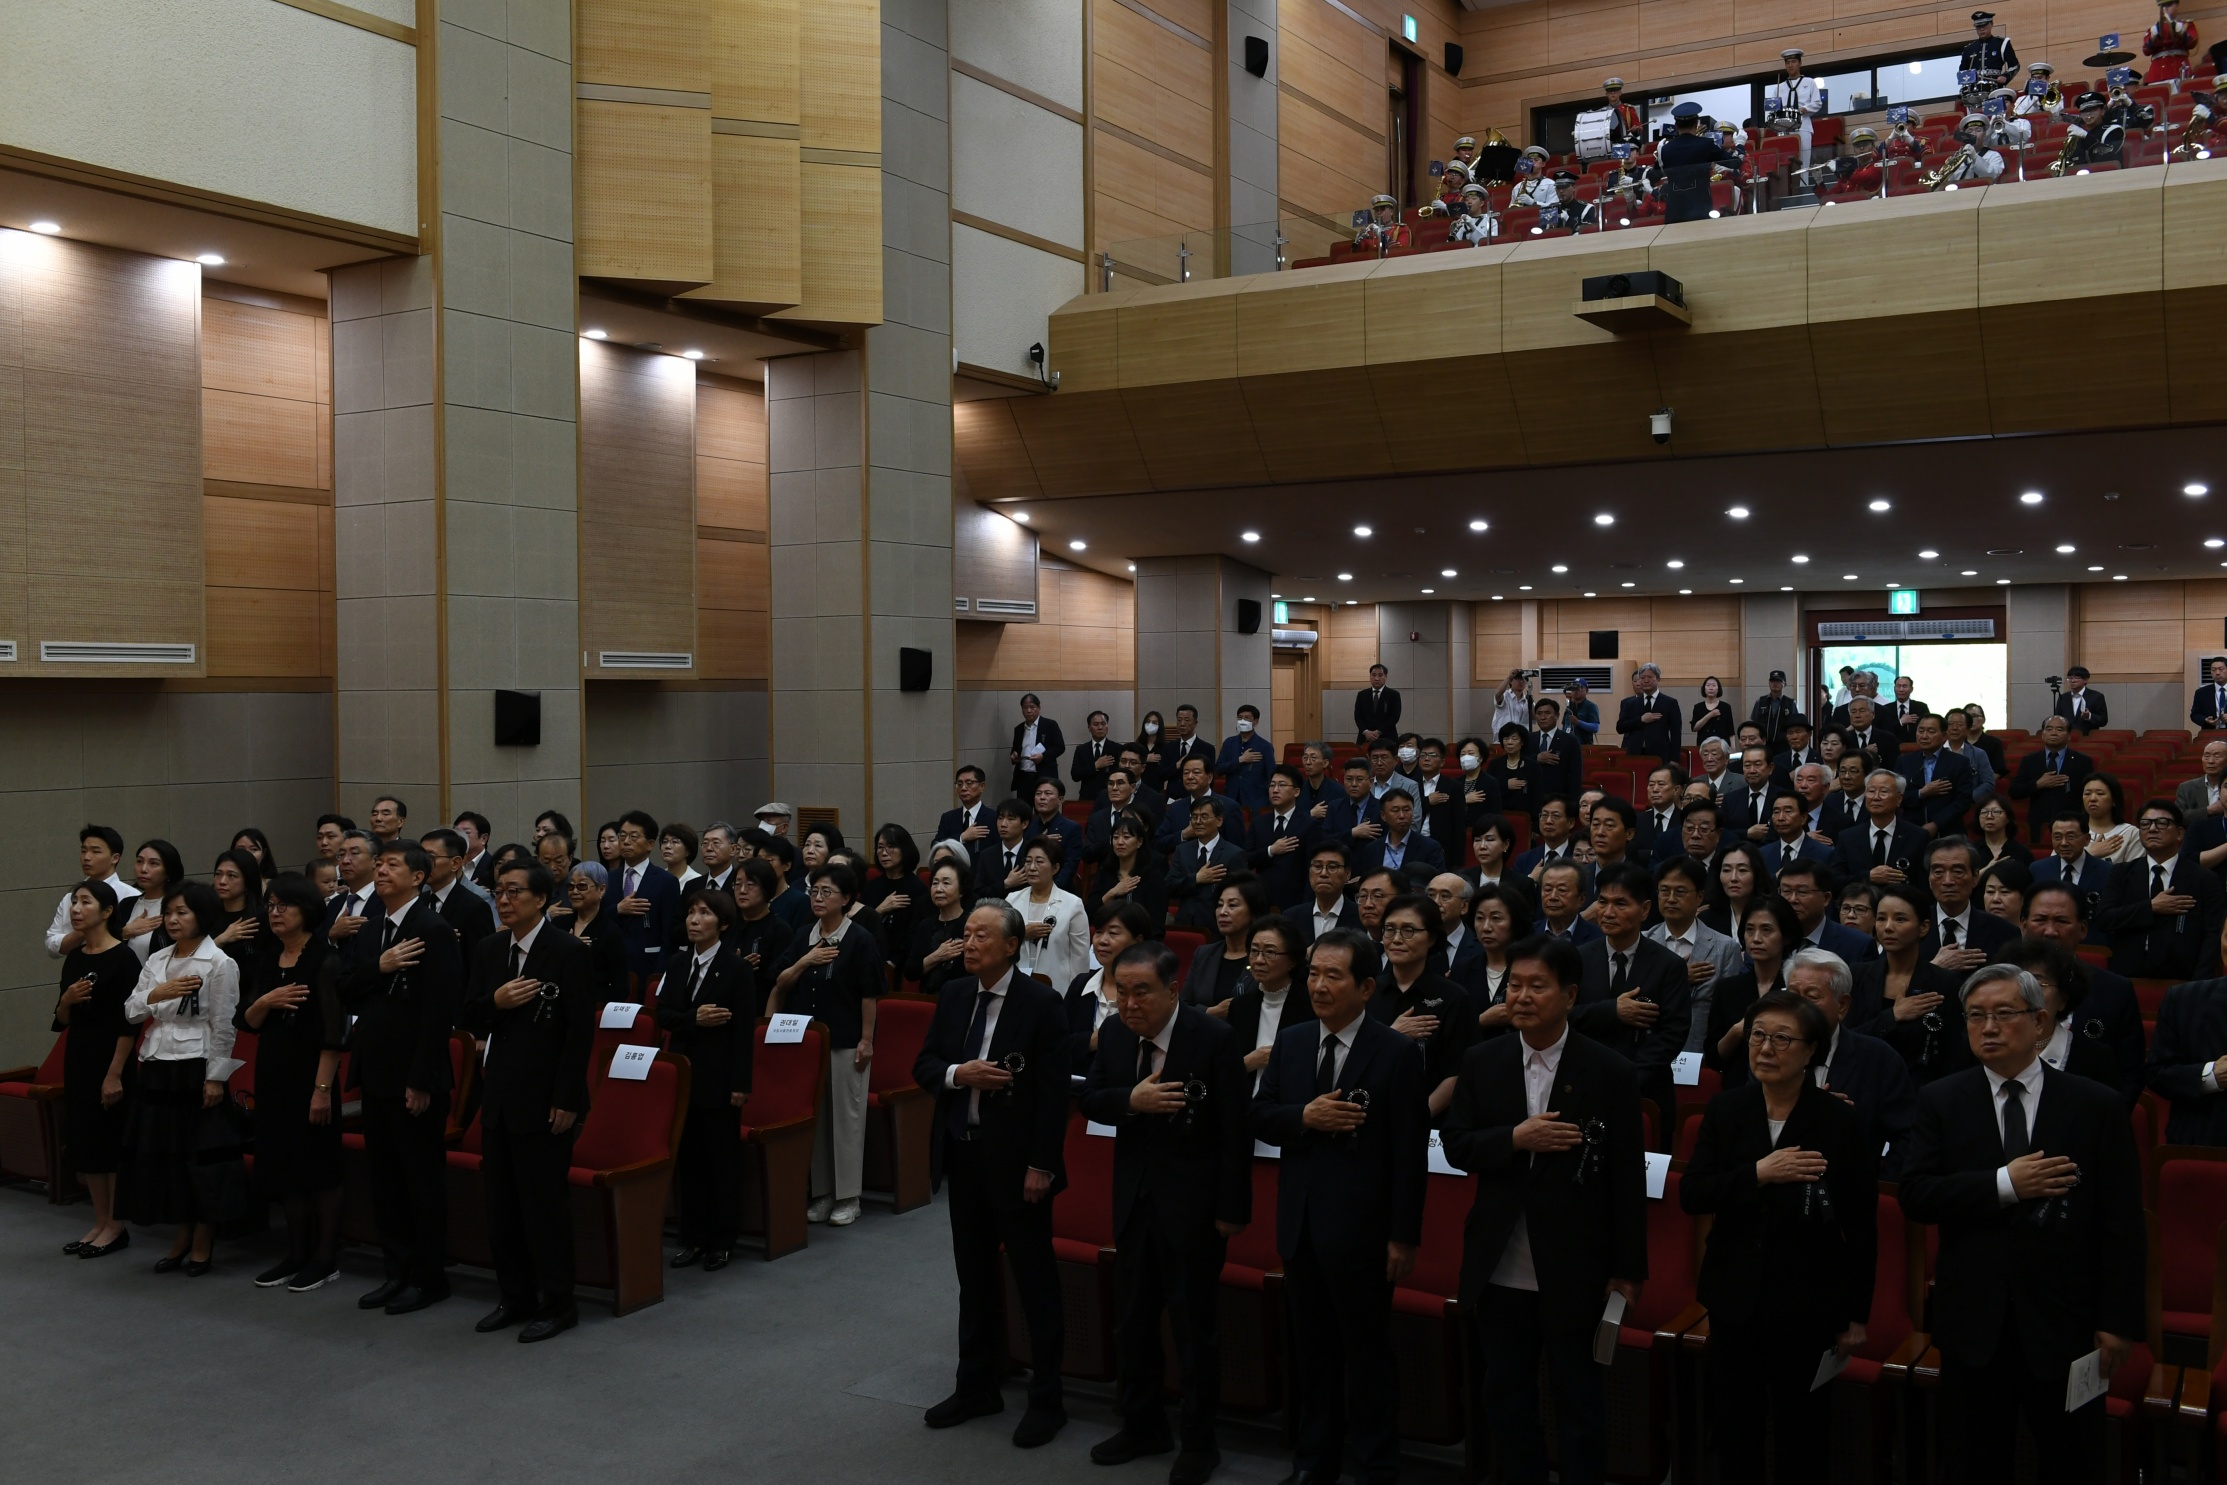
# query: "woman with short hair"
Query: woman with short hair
837,977
97,978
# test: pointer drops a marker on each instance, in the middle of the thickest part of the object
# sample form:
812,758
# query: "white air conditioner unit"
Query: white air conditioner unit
1293,639
111,652
7,649
1879,631
644,659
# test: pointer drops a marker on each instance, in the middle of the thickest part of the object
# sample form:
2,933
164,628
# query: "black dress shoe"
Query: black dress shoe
502,1317
717,1259
1038,1426
411,1299
958,1408
170,1263
1194,1466
377,1299
549,1325
102,1250
194,1268
1125,1446
688,1257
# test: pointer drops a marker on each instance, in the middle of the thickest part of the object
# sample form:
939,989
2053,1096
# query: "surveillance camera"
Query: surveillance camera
1658,423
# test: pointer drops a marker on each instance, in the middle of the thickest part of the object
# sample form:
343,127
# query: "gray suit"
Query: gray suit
2194,798
1710,947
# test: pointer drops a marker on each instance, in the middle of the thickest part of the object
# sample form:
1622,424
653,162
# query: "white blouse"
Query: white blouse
2119,843
198,1025
1066,952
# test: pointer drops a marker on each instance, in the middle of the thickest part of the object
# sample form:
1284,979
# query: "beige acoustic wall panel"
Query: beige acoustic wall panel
840,82
842,245
755,71
757,222
644,211
637,512
100,458
646,44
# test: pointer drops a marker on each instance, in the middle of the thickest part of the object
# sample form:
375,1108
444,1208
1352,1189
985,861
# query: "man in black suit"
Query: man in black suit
646,898
1649,720
1801,748
1327,906
1936,783
2080,704
1862,1069
997,861
1175,821
1555,751
969,823
1549,1124
356,859
2050,777
2110,1012
1961,937
1876,738
1657,839
1807,887
1204,858
1050,818
1903,713
1037,745
459,906
1171,1080
1183,742
2188,1061
1120,796
1277,844
1376,710
1460,957
532,995
403,986
1634,996
1746,811
2163,912
993,1055
2208,712
1885,849
1343,1098
719,850
479,859
1095,757
2031,1178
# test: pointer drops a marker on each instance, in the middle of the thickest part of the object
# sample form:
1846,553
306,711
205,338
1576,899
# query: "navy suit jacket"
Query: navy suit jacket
2049,804
1878,1082
1347,1195
954,821
647,938
1735,815
1656,845
1421,854
1246,782
1176,819
1193,903
1070,844
1945,812
2210,702
1284,876
1775,854
1302,921
1023,1128
1852,851
1852,947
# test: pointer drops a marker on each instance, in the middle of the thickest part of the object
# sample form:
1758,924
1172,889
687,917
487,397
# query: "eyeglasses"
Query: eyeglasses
1998,1018
507,893
2158,822
1777,1041
1404,930
825,889
1267,951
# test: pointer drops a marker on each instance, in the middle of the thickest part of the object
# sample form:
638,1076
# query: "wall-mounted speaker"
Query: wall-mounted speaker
915,668
517,719
1453,59
1248,616
1600,644
1256,55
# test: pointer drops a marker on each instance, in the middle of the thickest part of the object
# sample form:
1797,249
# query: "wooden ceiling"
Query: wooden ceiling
2054,305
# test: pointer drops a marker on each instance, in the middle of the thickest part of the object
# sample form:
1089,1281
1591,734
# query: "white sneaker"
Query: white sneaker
844,1215
819,1209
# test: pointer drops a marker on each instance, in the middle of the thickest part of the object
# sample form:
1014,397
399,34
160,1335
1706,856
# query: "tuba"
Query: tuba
2193,134
2053,99
1953,168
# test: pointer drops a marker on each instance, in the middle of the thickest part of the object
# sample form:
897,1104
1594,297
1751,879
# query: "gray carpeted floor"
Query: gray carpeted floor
813,1369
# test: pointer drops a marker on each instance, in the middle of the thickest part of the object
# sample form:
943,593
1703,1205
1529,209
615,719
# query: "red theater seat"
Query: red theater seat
31,1124
1426,1318
2189,1194
622,1179
1185,943
1250,1314
1083,1250
778,1122
900,1114
643,1033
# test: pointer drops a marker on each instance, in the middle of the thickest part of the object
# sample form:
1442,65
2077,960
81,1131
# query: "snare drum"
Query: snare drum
1591,137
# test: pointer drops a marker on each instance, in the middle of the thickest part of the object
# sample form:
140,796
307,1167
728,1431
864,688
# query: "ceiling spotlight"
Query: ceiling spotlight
1345,577
1078,546
1476,525
2097,568
2002,582
1445,572
1737,512
1430,590
693,355
2215,542
1523,587
595,334
1847,577
1631,585
1894,585
2031,497
1882,505
1592,595
1682,592
1674,564
1928,555
46,229
1604,519
2189,490
1496,597
1019,515
1735,580
2116,577
210,260
1560,567
1352,602
1971,572
1363,531
1248,536
2065,549
1786,587
1798,559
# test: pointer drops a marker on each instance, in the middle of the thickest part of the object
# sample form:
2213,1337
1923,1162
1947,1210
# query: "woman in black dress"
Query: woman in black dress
895,893
1712,714
758,934
590,923
288,998
1117,928
258,845
97,977
238,878
1152,746
1909,1002
932,955
1130,871
1770,933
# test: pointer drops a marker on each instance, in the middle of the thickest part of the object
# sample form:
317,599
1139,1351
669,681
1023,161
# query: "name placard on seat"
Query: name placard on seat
1658,1174
786,1031
1103,1131
633,1063
1440,1165
619,1015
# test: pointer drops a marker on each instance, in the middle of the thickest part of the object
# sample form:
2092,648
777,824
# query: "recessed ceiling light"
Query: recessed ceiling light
1078,546
2066,549
1477,525
1882,505
1894,585
2185,489
1345,577
2116,577
2002,582
1430,590
693,355
1523,587
1737,512
209,260
2031,497
1248,536
1631,585
1604,519
1561,567
46,229
1019,515
1445,572
595,335
1928,555
1308,599
1674,564
1847,577
1683,591
1786,587
2215,542
2097,568
1496,597
1736,580
1798,559
1363,531
1352,602
1592,595
1971,572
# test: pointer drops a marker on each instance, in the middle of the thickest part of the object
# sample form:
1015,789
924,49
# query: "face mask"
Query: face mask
1407,755
1470,763
1243,725
1151,729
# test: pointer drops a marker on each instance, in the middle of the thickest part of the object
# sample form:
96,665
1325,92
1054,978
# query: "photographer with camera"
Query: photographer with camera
1171,1080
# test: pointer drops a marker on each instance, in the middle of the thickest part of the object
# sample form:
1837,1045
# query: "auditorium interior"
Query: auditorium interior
594,406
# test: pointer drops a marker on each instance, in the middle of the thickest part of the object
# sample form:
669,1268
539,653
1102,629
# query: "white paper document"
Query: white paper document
1440,1165
619,1015
786,1031
633,1063
1658,1174
1103,1131
1262,1150
1829,1366
1604,1339
2086,1382
1685,1069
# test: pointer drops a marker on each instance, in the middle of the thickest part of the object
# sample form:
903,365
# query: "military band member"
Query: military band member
1626,191
1465,152
2094,140
1798,96
2005,129
1902,143
1450,186
1973,163
2168,43
1535,188
1384,229
1686,160
1474,224
2049,102
1990,55
2202,134
1857,173
1625,126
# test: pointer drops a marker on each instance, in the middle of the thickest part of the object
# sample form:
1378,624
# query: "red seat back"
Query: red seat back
1446,1204
1255,1247
1185,943
629,1123
2151,993
2191,1206
900,1029
242,1082
1084,1211
786,1079
1890,1293
50,1070
608,1039
1671,1261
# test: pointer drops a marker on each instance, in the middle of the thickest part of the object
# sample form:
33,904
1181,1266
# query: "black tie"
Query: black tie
1326,1075
1282,822
1619,977
1009,862
2014,1120
955,1112
517,960
2054,765
1144,1060
2157,879
1879,848
386,935
695,980
1948,933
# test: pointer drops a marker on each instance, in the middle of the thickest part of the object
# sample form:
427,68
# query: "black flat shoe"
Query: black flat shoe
377,1299
413,1299
548,1326
717,1259
502,1317
277,1274
71,1248
958,1408
102,1250
688,1257
170,1263
316,1276
194,1268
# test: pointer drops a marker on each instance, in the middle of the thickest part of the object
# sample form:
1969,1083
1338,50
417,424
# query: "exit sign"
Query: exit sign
1407,27
1283,613
1902,601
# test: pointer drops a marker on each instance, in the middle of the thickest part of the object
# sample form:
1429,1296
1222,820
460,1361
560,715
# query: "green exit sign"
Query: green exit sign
1407,27
1902,601
1283,613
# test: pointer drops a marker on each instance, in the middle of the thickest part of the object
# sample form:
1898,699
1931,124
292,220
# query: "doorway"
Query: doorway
1295,699
1941,675
1403,128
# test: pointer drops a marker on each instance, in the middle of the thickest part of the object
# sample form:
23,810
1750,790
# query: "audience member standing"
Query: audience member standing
708,1005
2163,912
100,848
592,923
838,977
2080,704
99,973
1647,719
156,868
1037,745
1376,710
932,958
648,905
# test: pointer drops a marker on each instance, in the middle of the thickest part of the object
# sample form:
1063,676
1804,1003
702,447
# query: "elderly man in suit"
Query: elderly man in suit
970,821
2080,704
2188,1062
1343,1098
2209,710
1376,709
646,898
2163,912
1936,783
1037,746
994,1057
1204,857
1171,1081
2203,797
1885,848
1961,936
2068,861
1095,756
2050,778
1549,1123
2031,1178
1647,719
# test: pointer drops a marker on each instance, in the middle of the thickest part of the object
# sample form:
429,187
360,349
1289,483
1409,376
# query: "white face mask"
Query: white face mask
1407,755
1470,763
1243,725
1151,729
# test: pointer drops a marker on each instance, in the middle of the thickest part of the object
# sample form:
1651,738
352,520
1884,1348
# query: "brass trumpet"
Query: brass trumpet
2063,162
1934,180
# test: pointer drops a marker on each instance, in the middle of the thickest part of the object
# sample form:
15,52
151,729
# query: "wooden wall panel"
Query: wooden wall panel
644,181
734,623
1084,633
757,247
1326,55
1495,642
756,71
733,576
645,43
841,267
1141,194
260,440
1351,645
260,351
637,501
269,632
1358,161
841,79
1152,82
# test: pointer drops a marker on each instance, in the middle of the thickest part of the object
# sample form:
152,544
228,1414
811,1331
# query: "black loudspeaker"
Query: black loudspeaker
915,668
1256,55
1248,616
517,719
1627,285
1453,59
1600,644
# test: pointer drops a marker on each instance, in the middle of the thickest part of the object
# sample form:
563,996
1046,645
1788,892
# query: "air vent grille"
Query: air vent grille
111,652
1293,639
1018,608
644,659
1864,631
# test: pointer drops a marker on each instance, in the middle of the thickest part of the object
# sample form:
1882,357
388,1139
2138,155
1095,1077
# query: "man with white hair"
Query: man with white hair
1884,848
1862,1069
1465,957
1716,767
1648,720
